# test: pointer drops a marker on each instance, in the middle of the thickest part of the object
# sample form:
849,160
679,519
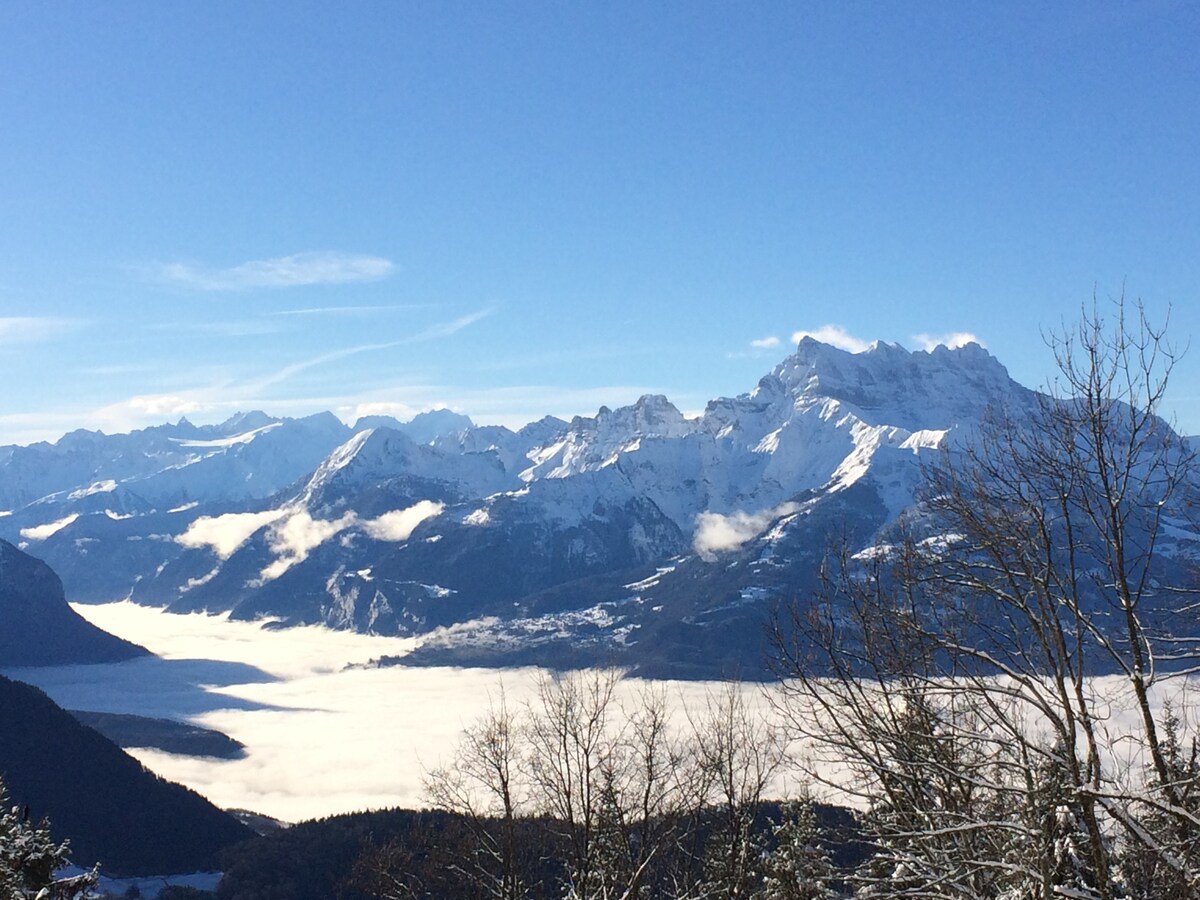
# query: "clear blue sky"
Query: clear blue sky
523,208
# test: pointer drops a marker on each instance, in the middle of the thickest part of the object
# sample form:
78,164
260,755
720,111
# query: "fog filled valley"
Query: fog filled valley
324,732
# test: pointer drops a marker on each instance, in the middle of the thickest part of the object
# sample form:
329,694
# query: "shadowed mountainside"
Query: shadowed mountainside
38,628
111,808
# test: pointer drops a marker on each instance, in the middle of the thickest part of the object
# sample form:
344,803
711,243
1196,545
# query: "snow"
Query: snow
149,886
98,487
650,582
479,517
821,421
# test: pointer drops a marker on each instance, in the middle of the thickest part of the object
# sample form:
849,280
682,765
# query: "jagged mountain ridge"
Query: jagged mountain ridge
635,535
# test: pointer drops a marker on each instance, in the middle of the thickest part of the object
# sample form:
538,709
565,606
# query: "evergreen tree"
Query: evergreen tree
1059,859
798,867
1167,865
29,859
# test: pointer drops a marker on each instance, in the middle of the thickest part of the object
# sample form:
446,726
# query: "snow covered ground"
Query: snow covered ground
322,736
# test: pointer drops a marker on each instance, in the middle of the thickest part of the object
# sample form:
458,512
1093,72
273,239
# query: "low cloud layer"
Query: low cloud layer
297,270
41,532
322,736
293,533
716,532
224,534
400,523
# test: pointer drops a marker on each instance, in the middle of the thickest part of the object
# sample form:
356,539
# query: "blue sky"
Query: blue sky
516,209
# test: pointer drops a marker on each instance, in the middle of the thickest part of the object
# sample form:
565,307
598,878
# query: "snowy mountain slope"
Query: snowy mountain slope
248,456
637,534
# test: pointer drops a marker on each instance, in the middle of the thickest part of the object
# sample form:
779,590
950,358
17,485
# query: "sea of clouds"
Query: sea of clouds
324,734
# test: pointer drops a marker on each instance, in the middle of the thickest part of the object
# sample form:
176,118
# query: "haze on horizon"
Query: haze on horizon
516,210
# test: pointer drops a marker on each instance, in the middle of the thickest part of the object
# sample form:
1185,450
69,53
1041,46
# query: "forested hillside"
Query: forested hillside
105,802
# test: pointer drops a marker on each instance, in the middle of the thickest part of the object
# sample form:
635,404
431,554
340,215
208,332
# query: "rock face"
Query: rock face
638,535
38,628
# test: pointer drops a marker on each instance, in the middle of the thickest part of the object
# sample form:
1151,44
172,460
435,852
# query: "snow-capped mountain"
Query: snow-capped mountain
637,535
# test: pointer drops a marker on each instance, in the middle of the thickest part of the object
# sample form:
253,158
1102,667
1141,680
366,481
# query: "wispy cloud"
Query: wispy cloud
433,332
445,329
154,409
953,340
231,328
225,533
31,329
297,270
768,343
350,310
163,405
224,395
117,369
836,336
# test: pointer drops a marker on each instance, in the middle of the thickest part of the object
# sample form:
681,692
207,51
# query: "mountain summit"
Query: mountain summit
637,534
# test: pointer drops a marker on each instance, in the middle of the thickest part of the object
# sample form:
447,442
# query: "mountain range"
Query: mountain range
638,536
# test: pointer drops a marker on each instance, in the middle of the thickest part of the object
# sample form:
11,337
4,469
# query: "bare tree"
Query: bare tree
610,790
739,753
956,670
572,749
624,802
483,784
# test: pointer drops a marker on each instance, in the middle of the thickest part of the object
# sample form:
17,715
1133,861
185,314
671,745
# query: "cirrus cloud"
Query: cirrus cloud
30,329
297,270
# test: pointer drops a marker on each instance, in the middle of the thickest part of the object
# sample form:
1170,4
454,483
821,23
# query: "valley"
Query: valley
324,733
